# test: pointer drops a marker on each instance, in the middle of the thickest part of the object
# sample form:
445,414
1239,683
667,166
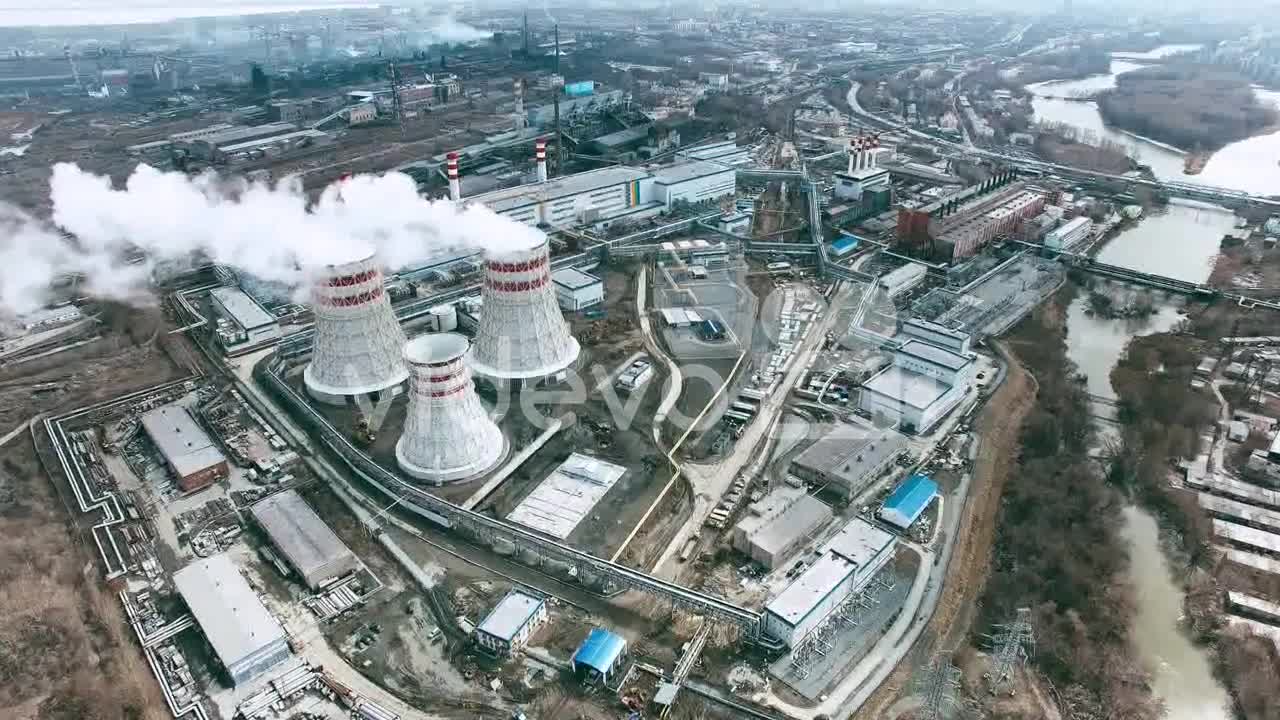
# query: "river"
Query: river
1250,165
1180,242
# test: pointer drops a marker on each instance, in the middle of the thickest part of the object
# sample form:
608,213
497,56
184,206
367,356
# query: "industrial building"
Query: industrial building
542,115
576,290
977,228
693,182
247,322
276,144
908,501
187,449
902,279
935,334
309,545
1069,235
779,524
959,225
246,638
567,495
211,146
599,656
726,153
924,383
848,459
508,626
846,564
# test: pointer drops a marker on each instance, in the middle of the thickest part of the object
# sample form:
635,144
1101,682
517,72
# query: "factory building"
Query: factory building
935,334
576,290
509,625
966,237
924,383
274,145
566,496
599,656
958,225
779,524
246,638
306,542
845,566
848,459
212,146
726,153
247,322
1069,235
900,280
693,182
542,115
595,196
908,501
187,449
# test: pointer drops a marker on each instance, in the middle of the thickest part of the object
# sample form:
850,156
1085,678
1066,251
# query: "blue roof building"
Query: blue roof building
844,245
909,501
599,654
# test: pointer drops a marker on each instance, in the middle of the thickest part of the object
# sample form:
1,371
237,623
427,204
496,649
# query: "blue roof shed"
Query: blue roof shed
844,245
600,653
909,501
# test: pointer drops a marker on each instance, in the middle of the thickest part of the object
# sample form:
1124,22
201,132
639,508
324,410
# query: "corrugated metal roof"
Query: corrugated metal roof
685,172
908,501
599,650
509,615
817,581
934,354
562,187
859,542
573,278
243,309
306,541
227,609
800,519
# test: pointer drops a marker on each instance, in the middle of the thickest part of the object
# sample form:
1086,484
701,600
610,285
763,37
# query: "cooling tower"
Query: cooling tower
522,335
357,343
447,435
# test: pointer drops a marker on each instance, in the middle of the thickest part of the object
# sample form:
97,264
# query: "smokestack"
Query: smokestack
522,335
518,90
455,185
447,437
356,347
540,155
853,153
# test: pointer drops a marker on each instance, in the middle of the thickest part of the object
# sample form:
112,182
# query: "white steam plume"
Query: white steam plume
268,231
448,30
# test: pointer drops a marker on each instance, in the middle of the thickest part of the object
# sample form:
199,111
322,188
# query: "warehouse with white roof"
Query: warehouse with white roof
924,383
847,563
307,543
246,638
512,621
187,449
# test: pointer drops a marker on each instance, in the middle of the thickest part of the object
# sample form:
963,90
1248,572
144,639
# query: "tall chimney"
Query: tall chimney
455,185
540,154
518,90
853,153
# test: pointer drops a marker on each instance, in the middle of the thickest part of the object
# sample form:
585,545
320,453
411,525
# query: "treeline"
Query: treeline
1058,548
1067,64
1186,105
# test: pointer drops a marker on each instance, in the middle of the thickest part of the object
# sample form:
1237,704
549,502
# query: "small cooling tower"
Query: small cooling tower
357,343
522,335
447,435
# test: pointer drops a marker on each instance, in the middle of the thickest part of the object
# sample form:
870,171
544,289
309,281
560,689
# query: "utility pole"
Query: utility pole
939,686
1009,649
393,73
525,43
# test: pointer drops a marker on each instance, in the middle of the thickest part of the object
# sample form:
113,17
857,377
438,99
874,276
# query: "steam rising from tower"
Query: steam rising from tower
522,335
356,348
447,435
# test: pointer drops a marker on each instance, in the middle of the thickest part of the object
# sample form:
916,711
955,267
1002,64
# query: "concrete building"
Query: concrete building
957,226
246,638
693,182
726,153
908,501
306,542
576,290
715,81
250,323
596,196
938,335
924,383
900,280
274,145
209,146
362,114
187,449
778,525
508,626
542,115
848,459
1069,235
845,566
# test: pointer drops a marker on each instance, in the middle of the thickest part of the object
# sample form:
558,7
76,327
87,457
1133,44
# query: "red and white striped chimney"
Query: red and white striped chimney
540,154
455,185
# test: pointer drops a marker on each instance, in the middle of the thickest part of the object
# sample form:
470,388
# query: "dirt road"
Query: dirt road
999,427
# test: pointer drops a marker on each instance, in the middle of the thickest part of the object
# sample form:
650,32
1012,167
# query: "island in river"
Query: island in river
1194,107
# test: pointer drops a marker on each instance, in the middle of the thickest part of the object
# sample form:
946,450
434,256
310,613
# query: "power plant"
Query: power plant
356,348
447,435
522,335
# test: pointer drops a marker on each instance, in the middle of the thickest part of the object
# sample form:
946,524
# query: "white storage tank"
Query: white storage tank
444,318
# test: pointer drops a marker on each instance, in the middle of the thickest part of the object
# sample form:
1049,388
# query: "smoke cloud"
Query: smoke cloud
451,31
269,231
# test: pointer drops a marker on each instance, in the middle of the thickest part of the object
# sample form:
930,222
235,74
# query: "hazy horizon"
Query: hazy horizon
105,12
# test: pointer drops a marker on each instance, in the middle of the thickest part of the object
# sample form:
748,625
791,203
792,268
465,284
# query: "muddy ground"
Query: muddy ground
66,651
